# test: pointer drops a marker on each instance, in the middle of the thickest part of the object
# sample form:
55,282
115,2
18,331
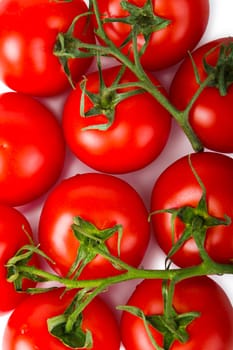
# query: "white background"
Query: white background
220,24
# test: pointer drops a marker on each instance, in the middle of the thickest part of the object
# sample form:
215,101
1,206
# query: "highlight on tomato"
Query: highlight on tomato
28,38
106,212
192,210
15,232
200,317
113,127
27,327
211,115
32,149
164,30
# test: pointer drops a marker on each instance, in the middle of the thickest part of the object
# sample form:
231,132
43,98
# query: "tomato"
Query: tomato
27,326
178,187
13,228
104,201
167,45
32,149
136,137
28,32
211,330
211,115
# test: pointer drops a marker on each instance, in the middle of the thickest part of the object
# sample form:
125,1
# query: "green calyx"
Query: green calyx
197,221
91,242
172,325
76,338
104,103
106,99
142,20
67,327
222,72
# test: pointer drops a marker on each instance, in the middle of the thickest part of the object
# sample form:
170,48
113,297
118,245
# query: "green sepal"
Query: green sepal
172,327
41,290
91,243
67,327
142,21
22,258
220,74
106,99
197,220
76,338
69,47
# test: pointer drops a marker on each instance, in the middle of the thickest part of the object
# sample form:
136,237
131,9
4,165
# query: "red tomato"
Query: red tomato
13,228
32,149
178,187
136,137
167,46
211,330
28,32
27,326
211,115
104,201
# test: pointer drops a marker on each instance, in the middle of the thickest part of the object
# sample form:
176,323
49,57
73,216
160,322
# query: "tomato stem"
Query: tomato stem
76,48
176,274
146,84
71,320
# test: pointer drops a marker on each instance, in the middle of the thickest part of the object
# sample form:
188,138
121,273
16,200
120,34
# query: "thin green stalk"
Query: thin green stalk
81,306
205,268
145,83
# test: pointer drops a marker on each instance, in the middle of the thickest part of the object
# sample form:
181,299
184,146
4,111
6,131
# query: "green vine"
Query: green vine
67,327
69,47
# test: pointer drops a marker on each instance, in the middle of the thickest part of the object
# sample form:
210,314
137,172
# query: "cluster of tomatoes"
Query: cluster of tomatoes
37,143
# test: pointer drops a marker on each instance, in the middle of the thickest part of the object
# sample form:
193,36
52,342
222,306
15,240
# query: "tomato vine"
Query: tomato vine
80,49
67,327
92,243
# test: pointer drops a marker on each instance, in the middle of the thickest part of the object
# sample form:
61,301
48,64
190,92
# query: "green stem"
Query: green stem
168,299
177,274
181,117
145,83
81,306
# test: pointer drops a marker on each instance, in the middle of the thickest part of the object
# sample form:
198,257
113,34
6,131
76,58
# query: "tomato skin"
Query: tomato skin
212,330
32,149
27,326
103,200
211,115
137,136
177,187
168,45
28,32
13,225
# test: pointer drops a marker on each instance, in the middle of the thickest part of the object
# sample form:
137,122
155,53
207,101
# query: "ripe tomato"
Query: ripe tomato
168,45
32,149
211,330
28,32
27,326
13,228
103,200
211,115
178,187
137,136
